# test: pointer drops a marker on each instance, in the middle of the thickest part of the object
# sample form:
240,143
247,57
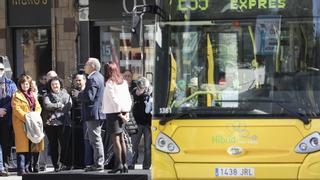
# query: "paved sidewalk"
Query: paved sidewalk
13,175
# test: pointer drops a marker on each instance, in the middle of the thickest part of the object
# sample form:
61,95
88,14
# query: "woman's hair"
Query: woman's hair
127,70
34,87
22,79
112,72
55,79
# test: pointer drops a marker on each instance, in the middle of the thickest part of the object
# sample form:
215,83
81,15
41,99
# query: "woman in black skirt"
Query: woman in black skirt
116,104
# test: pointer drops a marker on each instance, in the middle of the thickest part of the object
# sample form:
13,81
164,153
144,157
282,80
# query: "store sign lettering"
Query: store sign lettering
28,2
257,4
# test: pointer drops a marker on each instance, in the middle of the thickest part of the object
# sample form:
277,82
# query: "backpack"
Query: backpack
34,127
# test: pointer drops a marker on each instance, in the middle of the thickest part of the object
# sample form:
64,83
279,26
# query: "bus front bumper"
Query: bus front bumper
163,167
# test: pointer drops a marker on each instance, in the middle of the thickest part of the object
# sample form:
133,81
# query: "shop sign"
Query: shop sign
29,12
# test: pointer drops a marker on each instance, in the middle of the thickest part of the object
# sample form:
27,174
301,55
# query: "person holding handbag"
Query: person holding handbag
57,104
23,102
116,104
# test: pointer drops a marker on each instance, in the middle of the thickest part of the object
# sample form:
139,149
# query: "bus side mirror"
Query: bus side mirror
137,31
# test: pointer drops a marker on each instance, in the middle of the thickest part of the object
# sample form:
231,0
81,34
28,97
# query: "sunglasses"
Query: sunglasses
1,69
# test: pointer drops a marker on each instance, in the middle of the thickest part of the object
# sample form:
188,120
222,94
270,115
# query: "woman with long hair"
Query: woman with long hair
24,101
116,104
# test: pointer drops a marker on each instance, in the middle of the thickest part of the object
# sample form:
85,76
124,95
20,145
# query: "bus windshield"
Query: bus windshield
233,65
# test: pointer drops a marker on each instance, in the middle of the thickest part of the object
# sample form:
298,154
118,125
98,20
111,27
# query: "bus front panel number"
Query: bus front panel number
193,5
165,110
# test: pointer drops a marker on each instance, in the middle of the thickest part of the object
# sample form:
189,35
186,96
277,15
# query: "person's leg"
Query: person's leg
3,172
53,145
147,147
35,163
27,157
128,143
4,140
123,153
43,156
94,134
88,151
20,163
65,141
117,153
135,144
1,160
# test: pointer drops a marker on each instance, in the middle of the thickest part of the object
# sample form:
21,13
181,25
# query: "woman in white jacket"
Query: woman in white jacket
116,104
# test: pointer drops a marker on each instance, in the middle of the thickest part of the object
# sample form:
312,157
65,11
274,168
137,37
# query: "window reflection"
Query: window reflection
231,65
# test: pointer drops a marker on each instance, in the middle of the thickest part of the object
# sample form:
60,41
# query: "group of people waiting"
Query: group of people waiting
95,101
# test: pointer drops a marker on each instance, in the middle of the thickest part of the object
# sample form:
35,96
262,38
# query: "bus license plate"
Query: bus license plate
234,172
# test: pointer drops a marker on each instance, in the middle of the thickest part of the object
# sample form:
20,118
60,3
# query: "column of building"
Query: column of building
64,33
2,27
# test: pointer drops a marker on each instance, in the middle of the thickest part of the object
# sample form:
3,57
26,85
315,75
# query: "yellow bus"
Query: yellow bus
237,90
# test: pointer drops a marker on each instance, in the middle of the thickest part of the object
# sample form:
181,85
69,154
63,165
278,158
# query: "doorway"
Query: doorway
32,52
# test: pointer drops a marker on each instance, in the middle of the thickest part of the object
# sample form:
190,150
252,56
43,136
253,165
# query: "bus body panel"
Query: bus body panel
272,154
164,165
310,169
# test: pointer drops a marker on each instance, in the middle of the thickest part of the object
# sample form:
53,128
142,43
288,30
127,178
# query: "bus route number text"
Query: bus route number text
192,5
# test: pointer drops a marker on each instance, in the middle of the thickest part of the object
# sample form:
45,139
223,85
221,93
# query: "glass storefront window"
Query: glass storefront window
116,45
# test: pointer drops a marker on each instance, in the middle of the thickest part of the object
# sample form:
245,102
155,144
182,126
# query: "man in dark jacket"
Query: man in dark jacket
7,88
83,157
91,98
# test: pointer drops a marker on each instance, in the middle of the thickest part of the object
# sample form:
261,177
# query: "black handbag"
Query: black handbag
131,126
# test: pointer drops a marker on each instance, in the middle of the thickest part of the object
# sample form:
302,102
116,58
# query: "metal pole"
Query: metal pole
141,43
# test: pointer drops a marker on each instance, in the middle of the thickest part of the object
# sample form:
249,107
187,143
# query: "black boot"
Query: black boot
36,168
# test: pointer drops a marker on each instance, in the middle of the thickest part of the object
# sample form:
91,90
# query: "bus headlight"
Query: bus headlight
166,144
314,142
303,147
309,144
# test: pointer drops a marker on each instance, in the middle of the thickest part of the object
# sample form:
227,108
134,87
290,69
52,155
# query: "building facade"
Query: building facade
40,35
43,35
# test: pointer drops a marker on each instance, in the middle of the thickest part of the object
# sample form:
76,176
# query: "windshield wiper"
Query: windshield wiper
301,116
166,119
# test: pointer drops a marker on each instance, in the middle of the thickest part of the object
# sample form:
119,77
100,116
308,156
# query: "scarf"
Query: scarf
31,100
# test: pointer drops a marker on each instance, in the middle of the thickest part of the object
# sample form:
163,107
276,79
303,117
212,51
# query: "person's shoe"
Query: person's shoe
125,168
42,168
94,168
4,173
131,167
30,169
35,169
21,172
66,168
116,169
57,169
